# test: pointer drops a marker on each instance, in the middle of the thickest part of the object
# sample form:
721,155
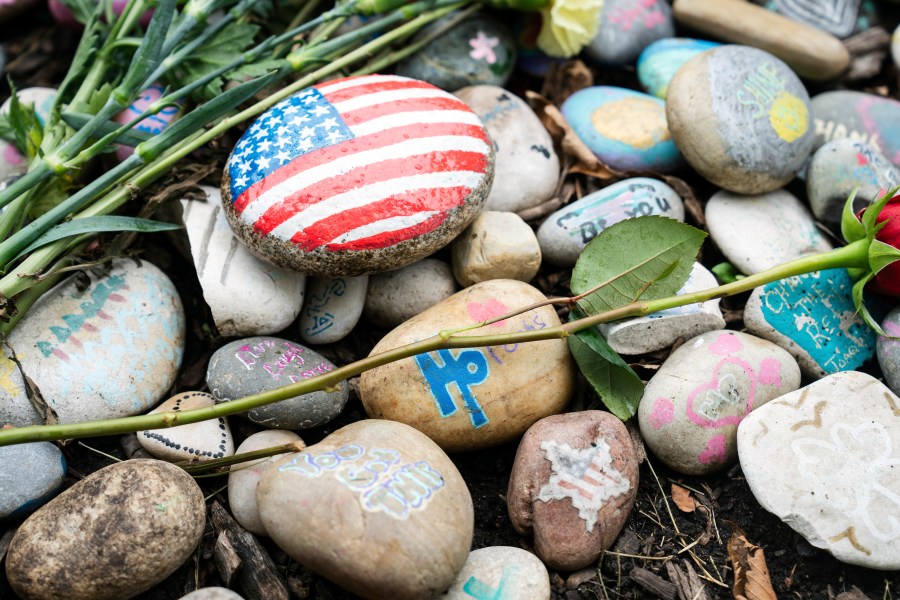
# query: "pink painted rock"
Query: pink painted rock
154,124
573,483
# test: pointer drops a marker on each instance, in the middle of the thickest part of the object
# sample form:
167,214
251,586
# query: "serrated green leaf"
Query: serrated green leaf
6,130
881,255
851,228
147,57
81,9
872,212
25,125
620,389
98,99
219,51
101,224
859,302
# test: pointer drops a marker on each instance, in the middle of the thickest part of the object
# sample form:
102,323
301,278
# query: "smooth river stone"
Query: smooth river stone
741,118
867,118
659,62
199,442
526,168
837,17
573,483
566,232
259,364
212,593
111,350
30,474
398,296
824,460
756,233
625,129
497,245
397,519
692,406
888,350
358,175
660,329
112,535
627,27
813,317
152,125
500,572
332,309
472,398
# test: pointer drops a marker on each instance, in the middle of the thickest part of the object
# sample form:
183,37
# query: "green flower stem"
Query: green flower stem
236,459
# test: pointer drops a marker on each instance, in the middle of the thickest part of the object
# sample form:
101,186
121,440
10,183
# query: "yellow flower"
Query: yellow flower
568,26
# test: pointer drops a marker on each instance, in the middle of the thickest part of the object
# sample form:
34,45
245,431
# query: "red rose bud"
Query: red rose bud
887,281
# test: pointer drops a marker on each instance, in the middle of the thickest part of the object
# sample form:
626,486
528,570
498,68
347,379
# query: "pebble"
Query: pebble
626,28
837,17
31,475
840,166
661,329
741,118
350,176
197,442
565,233
473,398
659,62
501,572
692,406
154,124
212,593
573,483
526,167
780,229
480,50
867,118
888,350
142,518
812,316
246,296
627,130
824,460
332,309
398,519
398,296
497,245
259,364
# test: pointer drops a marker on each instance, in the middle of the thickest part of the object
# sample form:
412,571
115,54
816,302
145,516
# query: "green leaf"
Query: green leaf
100,224
640,258
727,272
872,212
860,304
81,9
25,125
881,255
851,228
148,55
219,51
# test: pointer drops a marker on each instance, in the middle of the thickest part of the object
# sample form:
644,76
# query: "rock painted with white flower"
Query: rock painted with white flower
825,459
501,572
332,308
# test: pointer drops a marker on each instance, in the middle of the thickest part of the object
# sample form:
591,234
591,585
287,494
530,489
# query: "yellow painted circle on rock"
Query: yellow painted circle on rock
638,122
788,116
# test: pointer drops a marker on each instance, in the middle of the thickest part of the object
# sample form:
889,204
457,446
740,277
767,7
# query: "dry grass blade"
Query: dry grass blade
683,499
751,574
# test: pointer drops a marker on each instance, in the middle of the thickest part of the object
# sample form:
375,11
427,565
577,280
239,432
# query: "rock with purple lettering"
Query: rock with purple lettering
501,572
376,507
471,398
888,350
397,296
573,483
332,308
627,27
497,245
197,442
692,406
258,364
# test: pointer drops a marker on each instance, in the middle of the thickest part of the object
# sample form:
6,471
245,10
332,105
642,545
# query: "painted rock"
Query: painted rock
31,475
332,309
888,350
625,129
741,118
661,329
154,124
692,406
812,316
231,275
824,460
111,350
659,62
497,245
258,364
398,296
198,442
526,169
15,407
627,27
39,98
473,398
398,521
501,572
782,229
480,50
135,523
12,162
357,175
244,478
867,118
837,17
212,593
566,232
840,166
11,8
573,483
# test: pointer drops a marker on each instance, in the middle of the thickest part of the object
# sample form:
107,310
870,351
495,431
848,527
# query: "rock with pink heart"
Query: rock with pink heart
692,406
472,398
888,350
397,296
572,486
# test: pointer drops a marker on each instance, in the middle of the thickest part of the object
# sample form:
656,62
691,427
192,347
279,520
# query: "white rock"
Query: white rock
332,308
497,245
397,296
200,442
212,593
501,572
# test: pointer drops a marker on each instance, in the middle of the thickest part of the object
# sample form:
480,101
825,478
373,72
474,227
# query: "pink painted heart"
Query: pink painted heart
485,311
721,394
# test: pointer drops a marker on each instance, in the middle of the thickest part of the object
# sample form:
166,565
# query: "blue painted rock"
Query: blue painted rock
258,364
812,316
154,124
332,309
566,232
837,17
398,518
497,245
197,442
741,118
357,175
627,27
500,572
625,129
31,474
397,296
659,62
867,118
471,398
888,350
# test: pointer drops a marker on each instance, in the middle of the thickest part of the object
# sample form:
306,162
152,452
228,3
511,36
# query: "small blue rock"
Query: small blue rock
660,60
30,475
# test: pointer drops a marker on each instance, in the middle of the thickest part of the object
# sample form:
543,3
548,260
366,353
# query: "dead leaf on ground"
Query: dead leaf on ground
565,79
683,499
751,574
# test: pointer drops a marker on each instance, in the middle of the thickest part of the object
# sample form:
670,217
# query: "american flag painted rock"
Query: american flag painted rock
358,175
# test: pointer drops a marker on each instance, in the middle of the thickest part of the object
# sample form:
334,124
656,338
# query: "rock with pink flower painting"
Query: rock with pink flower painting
692,406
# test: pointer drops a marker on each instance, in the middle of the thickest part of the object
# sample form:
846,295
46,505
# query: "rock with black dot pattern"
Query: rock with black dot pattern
199,442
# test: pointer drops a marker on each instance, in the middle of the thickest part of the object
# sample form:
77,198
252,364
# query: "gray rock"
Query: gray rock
199,442
497,245
30,474
858,116
397,296
212,593
501,571
332,309
888,350
627,27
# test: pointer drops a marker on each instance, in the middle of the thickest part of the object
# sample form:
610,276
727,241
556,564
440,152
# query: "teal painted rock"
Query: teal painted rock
863,117
659,62
627,27
500,572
